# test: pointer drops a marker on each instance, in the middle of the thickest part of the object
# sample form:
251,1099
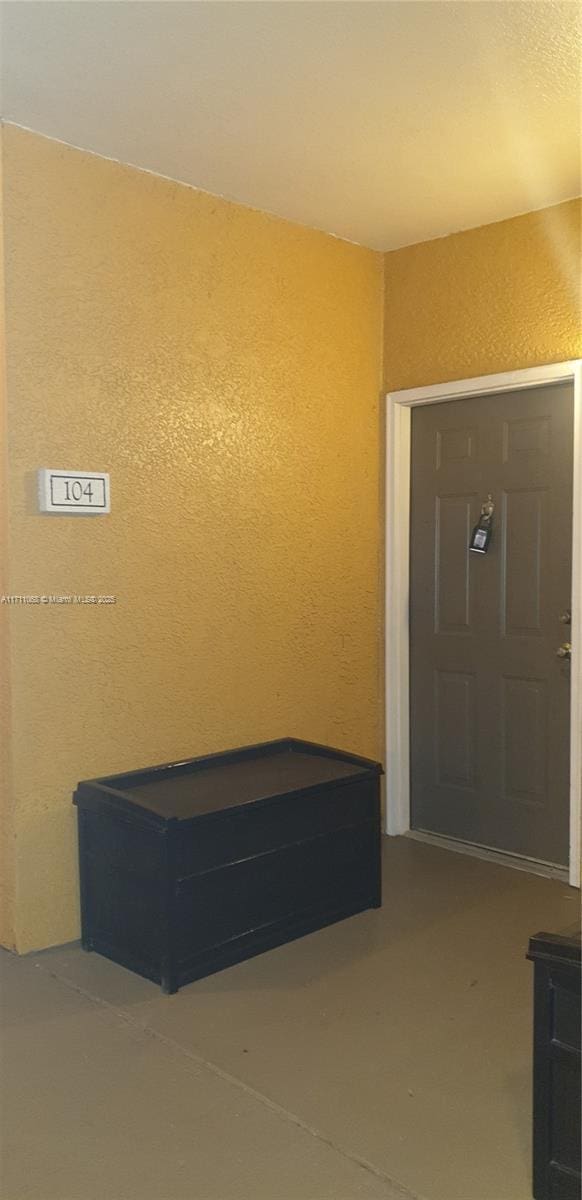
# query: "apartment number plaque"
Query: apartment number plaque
81,493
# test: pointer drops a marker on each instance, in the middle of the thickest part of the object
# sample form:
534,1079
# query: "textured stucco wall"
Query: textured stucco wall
492,299
224,366
6,798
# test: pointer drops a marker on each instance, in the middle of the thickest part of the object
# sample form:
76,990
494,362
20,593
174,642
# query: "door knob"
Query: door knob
564,651
566,617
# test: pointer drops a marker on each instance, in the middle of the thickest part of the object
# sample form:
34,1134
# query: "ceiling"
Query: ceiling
385,123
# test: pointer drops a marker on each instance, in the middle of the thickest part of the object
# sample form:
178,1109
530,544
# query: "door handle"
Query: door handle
566,617
564,651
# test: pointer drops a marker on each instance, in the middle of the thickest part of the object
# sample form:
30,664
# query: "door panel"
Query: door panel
452,530
523,530
454,701
489,698
524,722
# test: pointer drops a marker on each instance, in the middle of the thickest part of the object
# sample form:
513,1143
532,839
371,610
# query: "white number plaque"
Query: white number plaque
81,492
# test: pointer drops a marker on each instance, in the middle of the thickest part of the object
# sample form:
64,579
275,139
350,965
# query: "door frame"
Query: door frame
397,682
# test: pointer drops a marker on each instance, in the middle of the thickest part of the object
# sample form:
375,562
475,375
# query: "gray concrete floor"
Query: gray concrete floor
386,1057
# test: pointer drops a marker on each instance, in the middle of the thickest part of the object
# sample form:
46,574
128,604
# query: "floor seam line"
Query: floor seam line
234,1081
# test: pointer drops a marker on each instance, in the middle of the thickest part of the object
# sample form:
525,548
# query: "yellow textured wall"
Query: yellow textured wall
497,298
7,864
224,366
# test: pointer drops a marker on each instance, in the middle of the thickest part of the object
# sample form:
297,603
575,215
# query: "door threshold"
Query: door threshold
503,859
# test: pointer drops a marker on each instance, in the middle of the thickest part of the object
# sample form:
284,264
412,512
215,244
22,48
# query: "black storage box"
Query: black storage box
556,1107
188,867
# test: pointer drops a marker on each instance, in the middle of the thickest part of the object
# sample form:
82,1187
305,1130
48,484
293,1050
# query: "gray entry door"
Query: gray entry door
490,699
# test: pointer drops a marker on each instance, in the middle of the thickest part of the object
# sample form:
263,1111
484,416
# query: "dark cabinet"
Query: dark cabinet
556,1114
188,867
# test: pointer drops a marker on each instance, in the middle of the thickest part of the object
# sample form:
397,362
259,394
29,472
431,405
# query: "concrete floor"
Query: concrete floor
387,1057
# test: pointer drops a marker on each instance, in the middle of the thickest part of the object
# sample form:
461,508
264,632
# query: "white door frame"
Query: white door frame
398,447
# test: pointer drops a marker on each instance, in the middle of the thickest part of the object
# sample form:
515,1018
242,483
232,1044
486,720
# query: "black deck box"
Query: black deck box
188,867
556,1066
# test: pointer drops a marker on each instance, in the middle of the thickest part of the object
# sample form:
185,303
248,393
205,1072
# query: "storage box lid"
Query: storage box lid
200,786
556,948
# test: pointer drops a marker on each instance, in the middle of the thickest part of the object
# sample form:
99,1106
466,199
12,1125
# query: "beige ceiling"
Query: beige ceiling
386,123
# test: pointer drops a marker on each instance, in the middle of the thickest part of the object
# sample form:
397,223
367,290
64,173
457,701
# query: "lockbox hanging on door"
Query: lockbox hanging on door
481,535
